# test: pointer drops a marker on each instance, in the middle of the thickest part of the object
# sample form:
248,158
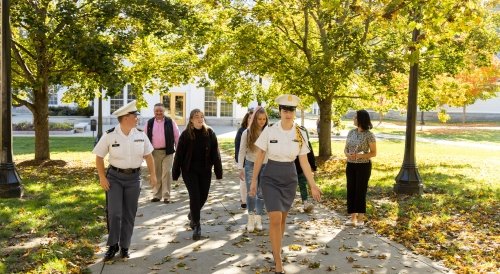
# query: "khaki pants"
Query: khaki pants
163,167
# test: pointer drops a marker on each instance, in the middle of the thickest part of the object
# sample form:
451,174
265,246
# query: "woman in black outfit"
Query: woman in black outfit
197,152
360,147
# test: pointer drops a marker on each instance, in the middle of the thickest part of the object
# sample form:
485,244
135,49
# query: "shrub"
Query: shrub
22,126
61,126
70,111
26,126
273,113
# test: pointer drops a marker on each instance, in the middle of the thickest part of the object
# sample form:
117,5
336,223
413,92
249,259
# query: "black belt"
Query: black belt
163,148
125,170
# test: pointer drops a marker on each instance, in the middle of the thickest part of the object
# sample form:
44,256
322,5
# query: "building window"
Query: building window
53,95
166,102
226,109
130,95
115,102
210,103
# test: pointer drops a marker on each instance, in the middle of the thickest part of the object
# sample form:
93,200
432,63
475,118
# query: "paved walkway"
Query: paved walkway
313,243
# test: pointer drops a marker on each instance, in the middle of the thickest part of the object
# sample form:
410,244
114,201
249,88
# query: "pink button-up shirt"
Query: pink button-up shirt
158,139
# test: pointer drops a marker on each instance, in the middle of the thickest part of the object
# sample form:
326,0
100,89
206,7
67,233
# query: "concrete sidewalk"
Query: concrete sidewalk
313,243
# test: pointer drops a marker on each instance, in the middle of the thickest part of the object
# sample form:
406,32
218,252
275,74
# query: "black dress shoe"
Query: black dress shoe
189,216
243,206
124,253
197,232
110,253
166,201
155,200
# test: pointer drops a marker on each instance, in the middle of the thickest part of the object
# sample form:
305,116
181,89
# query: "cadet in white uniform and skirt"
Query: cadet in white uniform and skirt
281,143
127,148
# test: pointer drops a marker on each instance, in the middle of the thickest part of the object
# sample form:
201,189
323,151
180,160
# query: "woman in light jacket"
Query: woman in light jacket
246,161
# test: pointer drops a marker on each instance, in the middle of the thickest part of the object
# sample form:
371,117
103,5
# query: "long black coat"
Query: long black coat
183,155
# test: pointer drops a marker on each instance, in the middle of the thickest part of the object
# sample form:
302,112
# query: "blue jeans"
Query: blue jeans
254,203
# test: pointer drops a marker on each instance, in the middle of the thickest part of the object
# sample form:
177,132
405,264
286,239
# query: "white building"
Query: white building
178,104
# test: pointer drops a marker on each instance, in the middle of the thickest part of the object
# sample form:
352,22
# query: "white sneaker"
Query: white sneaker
308,206
258,222
251,223
360,223
350,223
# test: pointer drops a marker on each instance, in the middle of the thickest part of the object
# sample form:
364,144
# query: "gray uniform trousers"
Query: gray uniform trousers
122,199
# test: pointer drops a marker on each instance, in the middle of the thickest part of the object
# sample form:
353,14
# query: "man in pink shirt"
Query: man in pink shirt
163,133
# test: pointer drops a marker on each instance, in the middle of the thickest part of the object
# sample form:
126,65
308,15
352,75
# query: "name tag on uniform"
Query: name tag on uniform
139,140
115,145
273,141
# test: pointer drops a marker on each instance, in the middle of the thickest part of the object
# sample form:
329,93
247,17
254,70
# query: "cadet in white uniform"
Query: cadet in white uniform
281,143
127,147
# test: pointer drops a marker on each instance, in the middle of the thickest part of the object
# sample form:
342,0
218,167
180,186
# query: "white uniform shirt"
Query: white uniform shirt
281,145
245,153
124,151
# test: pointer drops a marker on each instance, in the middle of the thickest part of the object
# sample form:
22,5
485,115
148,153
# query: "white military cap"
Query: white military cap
287,101
129,108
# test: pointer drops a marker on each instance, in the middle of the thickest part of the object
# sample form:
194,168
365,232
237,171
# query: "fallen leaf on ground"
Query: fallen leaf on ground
295,247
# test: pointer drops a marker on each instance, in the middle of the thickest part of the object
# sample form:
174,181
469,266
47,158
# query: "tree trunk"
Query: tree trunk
463,115
41,123
422,122
302,117
325,128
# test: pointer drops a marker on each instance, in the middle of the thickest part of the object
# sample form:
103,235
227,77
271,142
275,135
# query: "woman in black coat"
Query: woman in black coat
197,152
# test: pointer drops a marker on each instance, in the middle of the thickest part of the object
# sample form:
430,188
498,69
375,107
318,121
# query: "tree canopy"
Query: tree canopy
93,45
344,53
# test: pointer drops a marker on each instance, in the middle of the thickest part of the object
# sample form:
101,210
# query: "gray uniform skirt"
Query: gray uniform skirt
279,184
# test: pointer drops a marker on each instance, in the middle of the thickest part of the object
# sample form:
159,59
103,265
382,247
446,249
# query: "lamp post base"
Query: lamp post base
408,181
10,186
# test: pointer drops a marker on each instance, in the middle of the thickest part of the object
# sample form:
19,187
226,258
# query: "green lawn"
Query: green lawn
26,145
456,220
62,207
462,134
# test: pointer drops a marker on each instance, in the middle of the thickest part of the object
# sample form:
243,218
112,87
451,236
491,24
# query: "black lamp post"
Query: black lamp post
99,118
10,186
408,180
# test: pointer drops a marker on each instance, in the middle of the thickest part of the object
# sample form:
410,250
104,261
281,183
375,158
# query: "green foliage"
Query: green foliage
96,46
454,40
346,54
272,113
442,116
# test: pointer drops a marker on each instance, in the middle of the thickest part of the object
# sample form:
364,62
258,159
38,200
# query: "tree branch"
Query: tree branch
20,61
287,35
23,48
22,102
367,22
305,41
